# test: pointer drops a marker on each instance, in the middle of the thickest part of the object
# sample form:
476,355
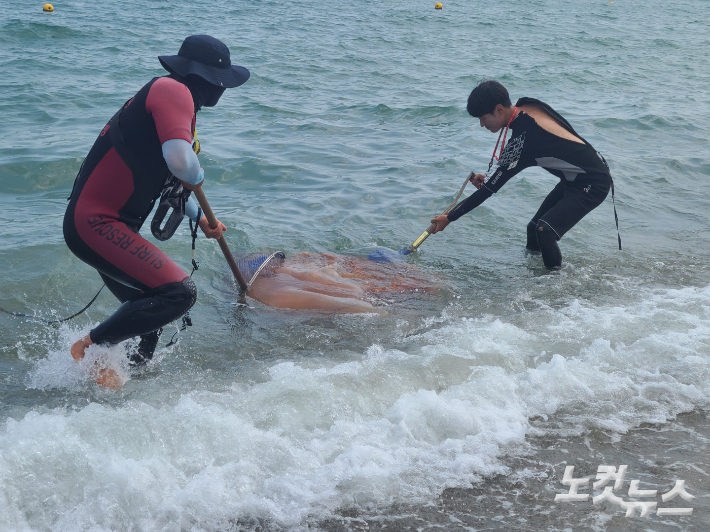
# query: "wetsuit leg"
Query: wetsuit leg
547,240
156,291
555,195
531,243
148,342
145,314
146,347
576,203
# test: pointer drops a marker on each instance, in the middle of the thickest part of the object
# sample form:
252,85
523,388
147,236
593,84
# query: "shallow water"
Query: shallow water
351,133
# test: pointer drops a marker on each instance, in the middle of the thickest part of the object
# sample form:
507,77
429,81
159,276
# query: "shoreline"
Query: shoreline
656,454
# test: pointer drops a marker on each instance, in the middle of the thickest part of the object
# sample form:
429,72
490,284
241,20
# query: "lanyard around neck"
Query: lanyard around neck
504,134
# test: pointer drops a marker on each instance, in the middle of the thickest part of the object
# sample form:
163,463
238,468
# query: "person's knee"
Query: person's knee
183,295
547,240
152,310
531,243
172,300
190,291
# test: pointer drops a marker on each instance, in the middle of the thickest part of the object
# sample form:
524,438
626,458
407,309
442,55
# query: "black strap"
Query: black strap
186,319
20,315
193,233
186,322
616,217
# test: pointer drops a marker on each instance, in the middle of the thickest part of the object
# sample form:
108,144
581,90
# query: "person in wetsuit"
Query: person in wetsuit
539,136
145,149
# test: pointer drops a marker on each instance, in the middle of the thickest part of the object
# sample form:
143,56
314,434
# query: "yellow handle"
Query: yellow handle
418,242
422,238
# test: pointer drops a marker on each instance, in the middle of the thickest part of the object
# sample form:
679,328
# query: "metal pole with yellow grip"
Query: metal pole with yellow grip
418,242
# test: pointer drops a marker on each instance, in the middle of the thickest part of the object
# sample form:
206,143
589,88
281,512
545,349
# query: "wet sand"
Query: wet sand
523,500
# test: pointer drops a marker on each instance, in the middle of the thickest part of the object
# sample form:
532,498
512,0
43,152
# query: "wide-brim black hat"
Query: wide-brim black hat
208,58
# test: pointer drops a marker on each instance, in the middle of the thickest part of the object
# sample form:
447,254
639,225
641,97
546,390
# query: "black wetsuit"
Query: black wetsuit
584,179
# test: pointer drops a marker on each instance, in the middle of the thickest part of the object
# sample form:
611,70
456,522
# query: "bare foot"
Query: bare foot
79,348
108,378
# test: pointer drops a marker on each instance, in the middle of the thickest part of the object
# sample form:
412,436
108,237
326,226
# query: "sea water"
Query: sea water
456,410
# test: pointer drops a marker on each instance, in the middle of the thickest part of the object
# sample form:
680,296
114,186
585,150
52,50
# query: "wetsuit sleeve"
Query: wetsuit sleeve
182,161
170,104
470,203
513,159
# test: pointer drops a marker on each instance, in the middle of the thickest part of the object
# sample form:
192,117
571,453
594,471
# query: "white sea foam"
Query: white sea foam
394,425
59,370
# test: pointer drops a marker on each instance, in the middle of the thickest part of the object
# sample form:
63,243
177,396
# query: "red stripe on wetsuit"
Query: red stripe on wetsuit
112,203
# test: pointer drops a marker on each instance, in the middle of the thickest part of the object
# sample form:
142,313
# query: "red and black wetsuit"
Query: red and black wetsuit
122,176
584,176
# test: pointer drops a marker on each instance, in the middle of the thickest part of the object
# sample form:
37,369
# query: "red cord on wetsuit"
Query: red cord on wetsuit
504,134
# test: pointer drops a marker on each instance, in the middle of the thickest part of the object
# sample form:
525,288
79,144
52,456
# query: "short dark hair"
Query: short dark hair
484,98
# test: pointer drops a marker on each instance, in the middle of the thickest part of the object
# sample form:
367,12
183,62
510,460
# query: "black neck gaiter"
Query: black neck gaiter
204,93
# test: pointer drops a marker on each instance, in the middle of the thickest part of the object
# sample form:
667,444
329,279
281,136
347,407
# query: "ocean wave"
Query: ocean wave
35,176
311,437
17,29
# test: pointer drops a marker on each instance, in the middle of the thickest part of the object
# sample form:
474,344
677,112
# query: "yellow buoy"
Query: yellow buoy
438,6
48,7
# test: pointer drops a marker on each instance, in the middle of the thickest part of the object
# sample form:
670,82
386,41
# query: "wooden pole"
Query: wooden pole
212,220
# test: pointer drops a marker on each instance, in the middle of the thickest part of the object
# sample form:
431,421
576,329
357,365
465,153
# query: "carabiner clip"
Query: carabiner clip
173,197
